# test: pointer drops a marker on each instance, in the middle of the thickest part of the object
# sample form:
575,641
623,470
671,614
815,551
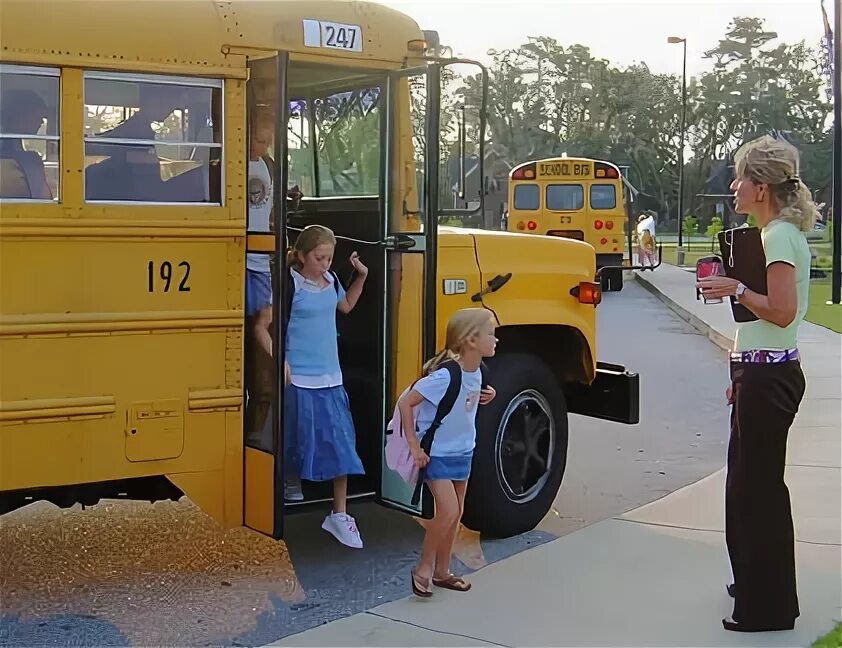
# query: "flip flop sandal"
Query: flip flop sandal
452,582
416,589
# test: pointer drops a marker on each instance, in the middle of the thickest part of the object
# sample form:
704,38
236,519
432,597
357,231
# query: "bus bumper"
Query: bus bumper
614,395
611,259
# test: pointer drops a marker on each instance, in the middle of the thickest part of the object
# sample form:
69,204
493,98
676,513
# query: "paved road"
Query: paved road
683,427
133,573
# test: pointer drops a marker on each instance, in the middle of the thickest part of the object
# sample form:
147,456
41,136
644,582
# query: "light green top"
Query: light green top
782,242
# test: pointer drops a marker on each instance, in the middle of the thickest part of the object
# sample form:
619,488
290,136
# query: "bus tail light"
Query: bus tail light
597,224
532,226
609,225
587,292
603,241
525,172
603,170
521,225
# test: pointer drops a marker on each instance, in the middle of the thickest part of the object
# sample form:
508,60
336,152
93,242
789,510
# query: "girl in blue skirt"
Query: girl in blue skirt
470,338
319,437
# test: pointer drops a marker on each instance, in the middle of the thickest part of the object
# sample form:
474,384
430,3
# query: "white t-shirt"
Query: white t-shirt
647,223
260,207
458,431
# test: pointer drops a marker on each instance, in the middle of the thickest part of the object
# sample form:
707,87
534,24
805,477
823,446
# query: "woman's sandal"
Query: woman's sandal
452,582
416,589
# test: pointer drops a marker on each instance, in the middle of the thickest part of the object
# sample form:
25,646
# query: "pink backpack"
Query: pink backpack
398,457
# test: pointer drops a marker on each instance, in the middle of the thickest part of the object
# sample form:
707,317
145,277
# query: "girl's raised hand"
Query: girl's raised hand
358,265
487,395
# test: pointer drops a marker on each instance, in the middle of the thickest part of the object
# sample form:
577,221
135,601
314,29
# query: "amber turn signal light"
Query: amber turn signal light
587,292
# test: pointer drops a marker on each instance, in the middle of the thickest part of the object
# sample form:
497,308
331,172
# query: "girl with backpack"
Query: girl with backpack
445,468
320,441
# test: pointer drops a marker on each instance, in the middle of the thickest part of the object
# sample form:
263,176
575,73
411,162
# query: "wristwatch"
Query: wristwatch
741,288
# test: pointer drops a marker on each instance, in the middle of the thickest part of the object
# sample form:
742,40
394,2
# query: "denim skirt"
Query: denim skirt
456,468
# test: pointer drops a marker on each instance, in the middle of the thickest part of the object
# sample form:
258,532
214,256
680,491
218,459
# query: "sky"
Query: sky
622,31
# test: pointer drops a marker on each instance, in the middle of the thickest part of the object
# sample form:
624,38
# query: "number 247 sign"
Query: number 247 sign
321,33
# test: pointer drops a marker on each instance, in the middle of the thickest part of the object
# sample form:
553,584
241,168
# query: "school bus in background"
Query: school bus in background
128,360
576,198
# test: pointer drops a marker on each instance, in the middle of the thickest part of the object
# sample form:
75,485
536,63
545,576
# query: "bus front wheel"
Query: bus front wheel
521,448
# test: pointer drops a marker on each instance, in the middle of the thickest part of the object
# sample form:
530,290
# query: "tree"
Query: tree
713,229
757,86
546,99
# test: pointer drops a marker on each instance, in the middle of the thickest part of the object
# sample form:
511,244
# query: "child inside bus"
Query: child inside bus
470,338
320,443
259,289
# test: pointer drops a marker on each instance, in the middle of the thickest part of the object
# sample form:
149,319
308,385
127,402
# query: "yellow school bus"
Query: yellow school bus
576,198
129,364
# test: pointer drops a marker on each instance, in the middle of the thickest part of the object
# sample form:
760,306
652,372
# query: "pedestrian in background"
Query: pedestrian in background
646,239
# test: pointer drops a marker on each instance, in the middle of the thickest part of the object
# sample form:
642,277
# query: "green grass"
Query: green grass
831,640
696,252
821,313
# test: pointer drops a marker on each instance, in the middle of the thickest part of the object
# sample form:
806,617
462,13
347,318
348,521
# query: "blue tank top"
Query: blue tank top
311,342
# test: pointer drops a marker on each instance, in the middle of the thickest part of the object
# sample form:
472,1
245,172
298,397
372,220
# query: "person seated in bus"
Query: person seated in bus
22,112
319,436
132,170
259,288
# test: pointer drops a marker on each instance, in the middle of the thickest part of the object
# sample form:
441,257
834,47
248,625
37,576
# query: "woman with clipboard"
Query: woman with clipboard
767,386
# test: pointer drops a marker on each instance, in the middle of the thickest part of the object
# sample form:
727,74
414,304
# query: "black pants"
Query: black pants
758,518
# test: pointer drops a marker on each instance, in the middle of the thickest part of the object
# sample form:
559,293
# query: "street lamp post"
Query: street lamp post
680,251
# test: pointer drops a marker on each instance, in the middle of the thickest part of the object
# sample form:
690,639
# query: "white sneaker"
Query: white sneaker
344,528
292,490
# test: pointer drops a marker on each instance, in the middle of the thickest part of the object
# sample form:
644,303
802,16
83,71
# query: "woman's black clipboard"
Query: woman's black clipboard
743,258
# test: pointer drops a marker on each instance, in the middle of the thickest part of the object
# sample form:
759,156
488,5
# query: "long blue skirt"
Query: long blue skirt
319,438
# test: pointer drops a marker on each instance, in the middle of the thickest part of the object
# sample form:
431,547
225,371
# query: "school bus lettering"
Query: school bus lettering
160,276
564,170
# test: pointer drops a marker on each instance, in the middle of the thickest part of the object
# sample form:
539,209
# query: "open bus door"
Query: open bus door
413,242
263,479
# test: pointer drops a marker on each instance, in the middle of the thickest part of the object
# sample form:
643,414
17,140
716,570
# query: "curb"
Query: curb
719,339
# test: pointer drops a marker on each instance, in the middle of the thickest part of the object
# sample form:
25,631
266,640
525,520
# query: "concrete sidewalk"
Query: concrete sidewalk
656,575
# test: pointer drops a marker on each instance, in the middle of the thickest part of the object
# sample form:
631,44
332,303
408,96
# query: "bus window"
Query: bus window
29,140
300,150
151,138
527,196
566,197
603,196
348,136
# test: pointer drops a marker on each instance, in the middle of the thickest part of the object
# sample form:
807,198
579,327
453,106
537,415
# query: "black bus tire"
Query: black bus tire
612,279
498,504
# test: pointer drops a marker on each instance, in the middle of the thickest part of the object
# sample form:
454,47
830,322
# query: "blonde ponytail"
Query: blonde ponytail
437,361
461,326
796,204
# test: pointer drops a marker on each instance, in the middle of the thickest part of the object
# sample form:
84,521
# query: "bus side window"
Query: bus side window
527,197
152,138
603,196
29,140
